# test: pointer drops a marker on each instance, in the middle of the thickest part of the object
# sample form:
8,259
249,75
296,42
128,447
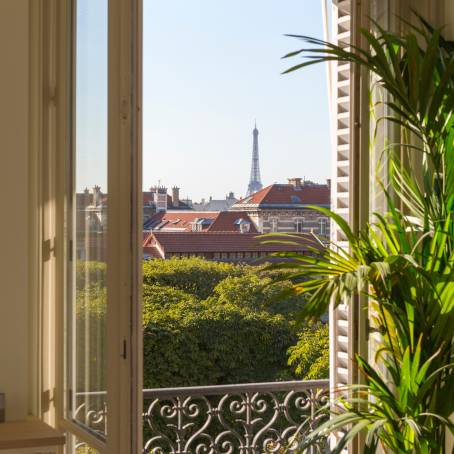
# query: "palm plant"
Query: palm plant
404,259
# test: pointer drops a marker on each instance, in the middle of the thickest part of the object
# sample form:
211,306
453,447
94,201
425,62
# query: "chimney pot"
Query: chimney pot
296,182
176,196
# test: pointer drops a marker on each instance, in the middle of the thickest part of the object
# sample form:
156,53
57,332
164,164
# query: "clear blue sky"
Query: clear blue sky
210,68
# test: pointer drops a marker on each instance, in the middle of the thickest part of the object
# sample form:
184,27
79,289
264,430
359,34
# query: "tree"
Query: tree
201,343
253,290
309,358
192,275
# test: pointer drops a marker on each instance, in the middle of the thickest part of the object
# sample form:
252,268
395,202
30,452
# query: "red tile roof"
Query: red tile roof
226,222
288,194
180,220
202,242
217,221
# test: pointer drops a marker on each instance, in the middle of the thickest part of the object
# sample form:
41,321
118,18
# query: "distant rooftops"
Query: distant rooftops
216,204
200,221
296,193
161,244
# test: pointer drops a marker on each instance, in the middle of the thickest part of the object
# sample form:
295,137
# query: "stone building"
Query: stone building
285,208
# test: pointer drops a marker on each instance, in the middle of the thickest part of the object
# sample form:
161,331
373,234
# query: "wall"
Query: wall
14,370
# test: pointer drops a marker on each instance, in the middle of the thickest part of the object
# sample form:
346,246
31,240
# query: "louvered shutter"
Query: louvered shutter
341,81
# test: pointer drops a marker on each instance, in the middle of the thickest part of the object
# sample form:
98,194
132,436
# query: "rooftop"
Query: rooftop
212,221
201,242
291,195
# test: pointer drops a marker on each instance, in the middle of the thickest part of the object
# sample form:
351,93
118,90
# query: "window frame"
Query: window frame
52,70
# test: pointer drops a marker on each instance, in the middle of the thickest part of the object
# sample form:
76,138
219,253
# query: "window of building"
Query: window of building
323,222
274,224
299,223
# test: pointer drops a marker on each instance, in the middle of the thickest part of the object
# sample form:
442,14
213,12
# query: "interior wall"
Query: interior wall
14,337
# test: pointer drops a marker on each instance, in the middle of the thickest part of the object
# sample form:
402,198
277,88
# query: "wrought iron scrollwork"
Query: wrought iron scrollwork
232,419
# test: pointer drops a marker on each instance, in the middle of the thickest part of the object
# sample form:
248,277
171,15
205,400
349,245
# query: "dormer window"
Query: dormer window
243,225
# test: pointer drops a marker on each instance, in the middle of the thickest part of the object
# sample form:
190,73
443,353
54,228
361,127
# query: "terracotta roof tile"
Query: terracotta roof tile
201,242
178,220
288,194
216,221
225,222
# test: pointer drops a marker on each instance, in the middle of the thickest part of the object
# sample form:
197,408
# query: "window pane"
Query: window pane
88,306
80,447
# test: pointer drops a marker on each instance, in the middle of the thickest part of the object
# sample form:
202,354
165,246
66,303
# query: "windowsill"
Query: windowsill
28,434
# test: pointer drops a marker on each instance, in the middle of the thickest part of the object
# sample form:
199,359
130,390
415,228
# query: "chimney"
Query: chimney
175,196
328,182
296,182
231,195
160,197
96,196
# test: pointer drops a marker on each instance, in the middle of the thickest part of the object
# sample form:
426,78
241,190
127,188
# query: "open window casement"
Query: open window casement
86,118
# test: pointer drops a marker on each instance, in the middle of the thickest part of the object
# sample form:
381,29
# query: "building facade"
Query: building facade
285,208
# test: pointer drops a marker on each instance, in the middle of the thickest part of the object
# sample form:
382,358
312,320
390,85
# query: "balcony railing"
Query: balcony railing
251,418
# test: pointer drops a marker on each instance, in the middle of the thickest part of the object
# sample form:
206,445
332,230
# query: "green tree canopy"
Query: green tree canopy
309,358
192,275
201,344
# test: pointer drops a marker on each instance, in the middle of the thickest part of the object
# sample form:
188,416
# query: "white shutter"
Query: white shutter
339,318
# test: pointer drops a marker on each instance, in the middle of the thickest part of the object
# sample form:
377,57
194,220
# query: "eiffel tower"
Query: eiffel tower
255,183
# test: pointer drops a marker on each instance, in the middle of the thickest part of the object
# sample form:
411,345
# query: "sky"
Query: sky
212,68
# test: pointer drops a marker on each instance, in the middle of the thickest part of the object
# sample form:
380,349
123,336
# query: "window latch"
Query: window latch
124,349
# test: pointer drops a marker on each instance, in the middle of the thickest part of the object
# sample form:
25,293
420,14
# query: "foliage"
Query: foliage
90,325
192,275
239,333
89,274
163,297
204,343
403,261
309,358
252,290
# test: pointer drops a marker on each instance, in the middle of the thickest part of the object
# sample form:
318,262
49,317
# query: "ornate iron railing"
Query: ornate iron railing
252,418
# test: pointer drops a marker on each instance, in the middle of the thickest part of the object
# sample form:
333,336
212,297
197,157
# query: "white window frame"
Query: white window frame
51,71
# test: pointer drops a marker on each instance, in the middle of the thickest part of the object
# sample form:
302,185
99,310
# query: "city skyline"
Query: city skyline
204,86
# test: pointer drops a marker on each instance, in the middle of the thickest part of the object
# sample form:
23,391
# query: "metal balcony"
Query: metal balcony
252,418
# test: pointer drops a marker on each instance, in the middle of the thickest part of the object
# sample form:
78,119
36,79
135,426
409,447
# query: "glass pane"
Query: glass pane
80,447
88,309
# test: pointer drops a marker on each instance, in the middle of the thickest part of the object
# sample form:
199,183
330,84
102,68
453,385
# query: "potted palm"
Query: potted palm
403,259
